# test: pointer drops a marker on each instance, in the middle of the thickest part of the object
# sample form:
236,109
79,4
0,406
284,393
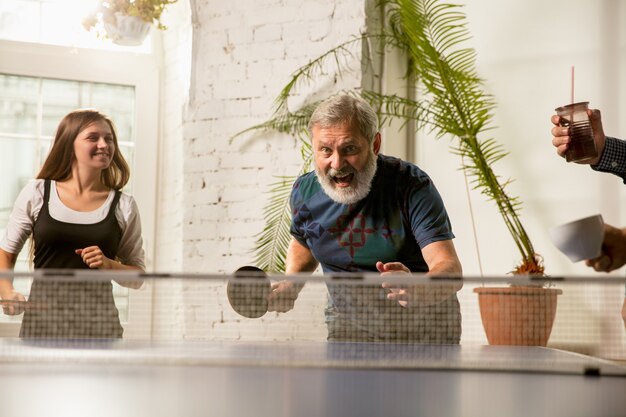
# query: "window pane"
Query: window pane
59,98
18,104
118,102
19,162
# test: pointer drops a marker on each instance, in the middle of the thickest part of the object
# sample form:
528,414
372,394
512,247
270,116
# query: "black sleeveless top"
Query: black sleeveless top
68,308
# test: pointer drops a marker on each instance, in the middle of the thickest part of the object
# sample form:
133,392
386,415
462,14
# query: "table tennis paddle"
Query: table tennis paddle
247,291
23,305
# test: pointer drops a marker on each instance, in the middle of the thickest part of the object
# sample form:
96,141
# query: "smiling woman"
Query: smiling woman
78,219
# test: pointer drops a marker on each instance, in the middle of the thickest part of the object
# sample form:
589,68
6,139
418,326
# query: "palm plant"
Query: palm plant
451,103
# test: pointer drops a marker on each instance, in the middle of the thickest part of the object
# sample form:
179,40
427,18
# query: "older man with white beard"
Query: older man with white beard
364,211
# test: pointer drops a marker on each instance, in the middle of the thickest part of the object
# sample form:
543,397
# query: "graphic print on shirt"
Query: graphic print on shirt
351,234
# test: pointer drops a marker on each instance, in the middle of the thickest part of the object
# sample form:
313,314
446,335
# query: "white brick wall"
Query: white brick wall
168,296
245,52
174,92
213,190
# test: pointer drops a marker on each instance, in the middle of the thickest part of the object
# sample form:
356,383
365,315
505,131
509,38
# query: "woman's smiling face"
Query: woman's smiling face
94,146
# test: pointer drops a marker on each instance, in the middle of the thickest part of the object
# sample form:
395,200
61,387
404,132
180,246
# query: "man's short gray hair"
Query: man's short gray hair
345,108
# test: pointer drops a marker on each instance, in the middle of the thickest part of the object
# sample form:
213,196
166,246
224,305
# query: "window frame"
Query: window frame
101,66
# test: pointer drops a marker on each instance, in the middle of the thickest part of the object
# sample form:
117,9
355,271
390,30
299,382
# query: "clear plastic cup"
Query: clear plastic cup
582,147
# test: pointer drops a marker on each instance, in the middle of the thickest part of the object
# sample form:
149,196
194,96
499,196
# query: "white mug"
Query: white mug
580,239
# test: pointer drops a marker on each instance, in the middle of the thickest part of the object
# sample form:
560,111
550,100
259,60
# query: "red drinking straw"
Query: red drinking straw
572,86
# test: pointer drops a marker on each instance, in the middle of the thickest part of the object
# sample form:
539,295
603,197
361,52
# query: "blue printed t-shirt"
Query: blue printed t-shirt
402,214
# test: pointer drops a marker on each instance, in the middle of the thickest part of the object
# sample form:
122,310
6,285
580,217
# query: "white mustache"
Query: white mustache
341,172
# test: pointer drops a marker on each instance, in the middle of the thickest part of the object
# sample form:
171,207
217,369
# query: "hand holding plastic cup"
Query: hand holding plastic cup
580,239
582,146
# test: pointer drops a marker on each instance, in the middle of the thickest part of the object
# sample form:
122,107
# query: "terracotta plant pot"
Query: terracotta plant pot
520,316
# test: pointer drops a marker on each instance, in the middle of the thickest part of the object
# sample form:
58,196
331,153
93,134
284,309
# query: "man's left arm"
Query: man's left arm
441,258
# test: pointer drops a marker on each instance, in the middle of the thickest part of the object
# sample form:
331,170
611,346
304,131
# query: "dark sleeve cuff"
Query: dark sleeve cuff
613,159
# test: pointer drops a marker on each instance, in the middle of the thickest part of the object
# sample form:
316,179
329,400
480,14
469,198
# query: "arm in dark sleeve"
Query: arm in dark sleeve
613,158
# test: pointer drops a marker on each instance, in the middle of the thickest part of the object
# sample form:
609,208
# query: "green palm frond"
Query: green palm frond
272,243
339,55
293,123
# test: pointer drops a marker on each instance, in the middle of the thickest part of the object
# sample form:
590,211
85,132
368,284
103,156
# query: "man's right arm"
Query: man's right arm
285,293
299,258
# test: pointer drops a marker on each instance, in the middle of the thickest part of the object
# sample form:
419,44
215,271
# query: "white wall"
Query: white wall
525,52
244,53
175,45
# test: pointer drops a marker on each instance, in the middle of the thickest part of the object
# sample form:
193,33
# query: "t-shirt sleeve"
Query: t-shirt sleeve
296,204
427,214
22,219
130,251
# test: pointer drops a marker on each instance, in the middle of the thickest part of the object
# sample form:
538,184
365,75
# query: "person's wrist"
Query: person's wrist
600,145
108,263
7,294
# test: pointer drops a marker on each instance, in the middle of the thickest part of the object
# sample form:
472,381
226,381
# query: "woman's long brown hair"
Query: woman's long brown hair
58,164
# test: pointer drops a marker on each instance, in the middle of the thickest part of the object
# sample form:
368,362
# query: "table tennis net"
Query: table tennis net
578,314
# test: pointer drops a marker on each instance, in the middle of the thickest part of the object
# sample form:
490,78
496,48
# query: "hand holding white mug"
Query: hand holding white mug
613,253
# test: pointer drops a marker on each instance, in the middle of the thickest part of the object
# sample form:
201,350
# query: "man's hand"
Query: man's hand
561,138
401,294
283,296
415,294
284,293
613,254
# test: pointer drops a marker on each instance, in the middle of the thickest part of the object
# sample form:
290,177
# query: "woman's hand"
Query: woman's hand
94,258
12,303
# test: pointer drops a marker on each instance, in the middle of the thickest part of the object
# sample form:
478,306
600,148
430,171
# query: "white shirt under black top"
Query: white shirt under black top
29,202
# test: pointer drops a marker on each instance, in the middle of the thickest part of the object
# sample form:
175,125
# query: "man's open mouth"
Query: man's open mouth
343,181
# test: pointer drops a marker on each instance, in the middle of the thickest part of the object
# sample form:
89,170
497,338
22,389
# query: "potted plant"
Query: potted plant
126,22
451,102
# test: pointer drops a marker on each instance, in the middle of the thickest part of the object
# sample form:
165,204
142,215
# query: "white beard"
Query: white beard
361,183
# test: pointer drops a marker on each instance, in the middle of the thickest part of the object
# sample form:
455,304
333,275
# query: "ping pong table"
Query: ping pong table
304,378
